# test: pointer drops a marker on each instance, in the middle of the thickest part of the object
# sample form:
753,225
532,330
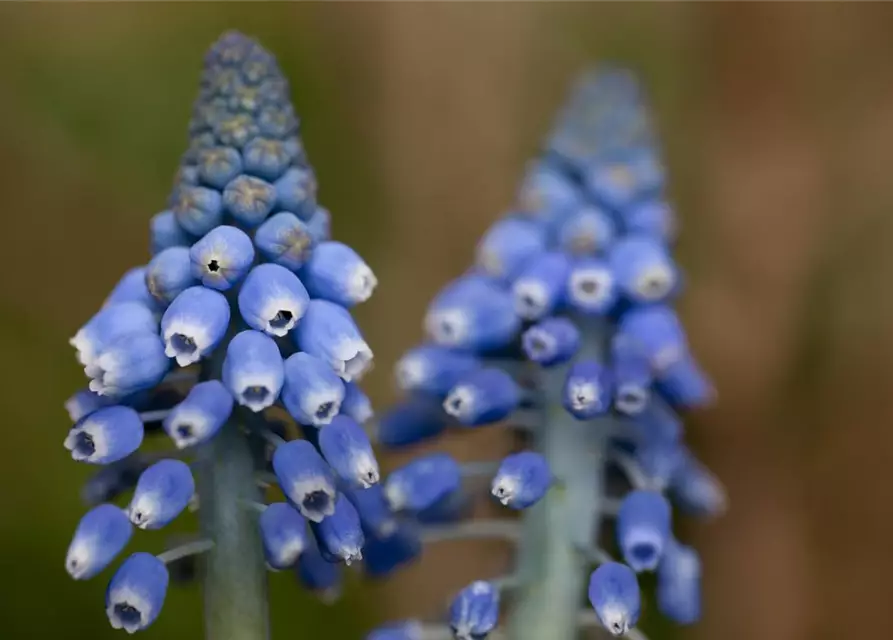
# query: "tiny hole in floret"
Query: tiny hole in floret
282,318
537,344
184,431
589,286
213,266
316,501
129,615
643,552
182,343
138,517
616,628
84,444
324,410
456,403
255,393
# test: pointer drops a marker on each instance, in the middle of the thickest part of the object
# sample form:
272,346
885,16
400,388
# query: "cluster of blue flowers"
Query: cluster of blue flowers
567,309
243,307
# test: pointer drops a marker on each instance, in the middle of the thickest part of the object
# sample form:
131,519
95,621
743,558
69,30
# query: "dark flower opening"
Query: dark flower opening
256,393
316,501
183,343
644,553
184,431
324,410
589,287
281,319
84,444
129,615
213,266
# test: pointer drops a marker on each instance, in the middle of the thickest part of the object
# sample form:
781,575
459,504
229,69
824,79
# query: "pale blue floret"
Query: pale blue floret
433,369
679,584
643,529
168,274
283,533
253,370
112,322
522,480
312,393
266,158
132,288
474,611
346,447
272,299
644,270
134,362
200,415
483,396
614,594
588,389
356,403
218,165
166,232
106,435
339,534
328,332
162,493
285,239
222,257
585,232
101,535
422,482
551,341
540,285
296,192
136,592
507,246
591,287
198,209
249,200
194,324
335,272
305,479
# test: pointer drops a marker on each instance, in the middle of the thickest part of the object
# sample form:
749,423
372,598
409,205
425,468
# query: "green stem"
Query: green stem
553,570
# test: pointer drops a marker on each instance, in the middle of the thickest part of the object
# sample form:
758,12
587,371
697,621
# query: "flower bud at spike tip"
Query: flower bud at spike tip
168,274
194,324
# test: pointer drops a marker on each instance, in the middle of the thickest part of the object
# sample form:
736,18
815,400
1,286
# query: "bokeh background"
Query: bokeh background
777,121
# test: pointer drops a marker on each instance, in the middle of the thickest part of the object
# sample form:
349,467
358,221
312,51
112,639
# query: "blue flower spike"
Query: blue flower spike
522,480
222,257
312,392
588,390
483,397
272,299
283,532
305,479
475,611
615,596
328,332
100,536
340,535
346,447
433,369
194,324
200,415
136,593
168,274
422,482
551,341
335,272
162,493
253,370
106,435
643,529
285,239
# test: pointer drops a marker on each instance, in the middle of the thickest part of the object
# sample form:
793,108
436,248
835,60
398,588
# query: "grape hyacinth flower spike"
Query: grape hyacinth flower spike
200,344
564,332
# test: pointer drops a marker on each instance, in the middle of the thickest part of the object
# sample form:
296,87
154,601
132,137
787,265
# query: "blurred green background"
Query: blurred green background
778,127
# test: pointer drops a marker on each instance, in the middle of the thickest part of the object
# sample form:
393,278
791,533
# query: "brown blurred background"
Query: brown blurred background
778,129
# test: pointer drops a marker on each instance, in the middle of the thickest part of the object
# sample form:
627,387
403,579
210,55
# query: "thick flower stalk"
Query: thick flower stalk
564,331
240,317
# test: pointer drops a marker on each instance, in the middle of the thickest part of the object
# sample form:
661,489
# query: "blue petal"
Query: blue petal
335,272
136,592
249,200
340,535
587,231
194,324
482,397
284,534
356,403
272,299
106,435
312,393
539,288
614,594
422,482
433,369
305,479
522,480
679,584
131,364
100,536
253,370
643,529
654,218
84,402
168,274
320,225
546,193
328,332
375,514
644,270
162,493
296,192
165,232
266,158
346,447
197,209
218,165
414,420
507,246
200,415
588,390
222,257
632,377
474,611
111,323
551,341
284,239
132,288
591,287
